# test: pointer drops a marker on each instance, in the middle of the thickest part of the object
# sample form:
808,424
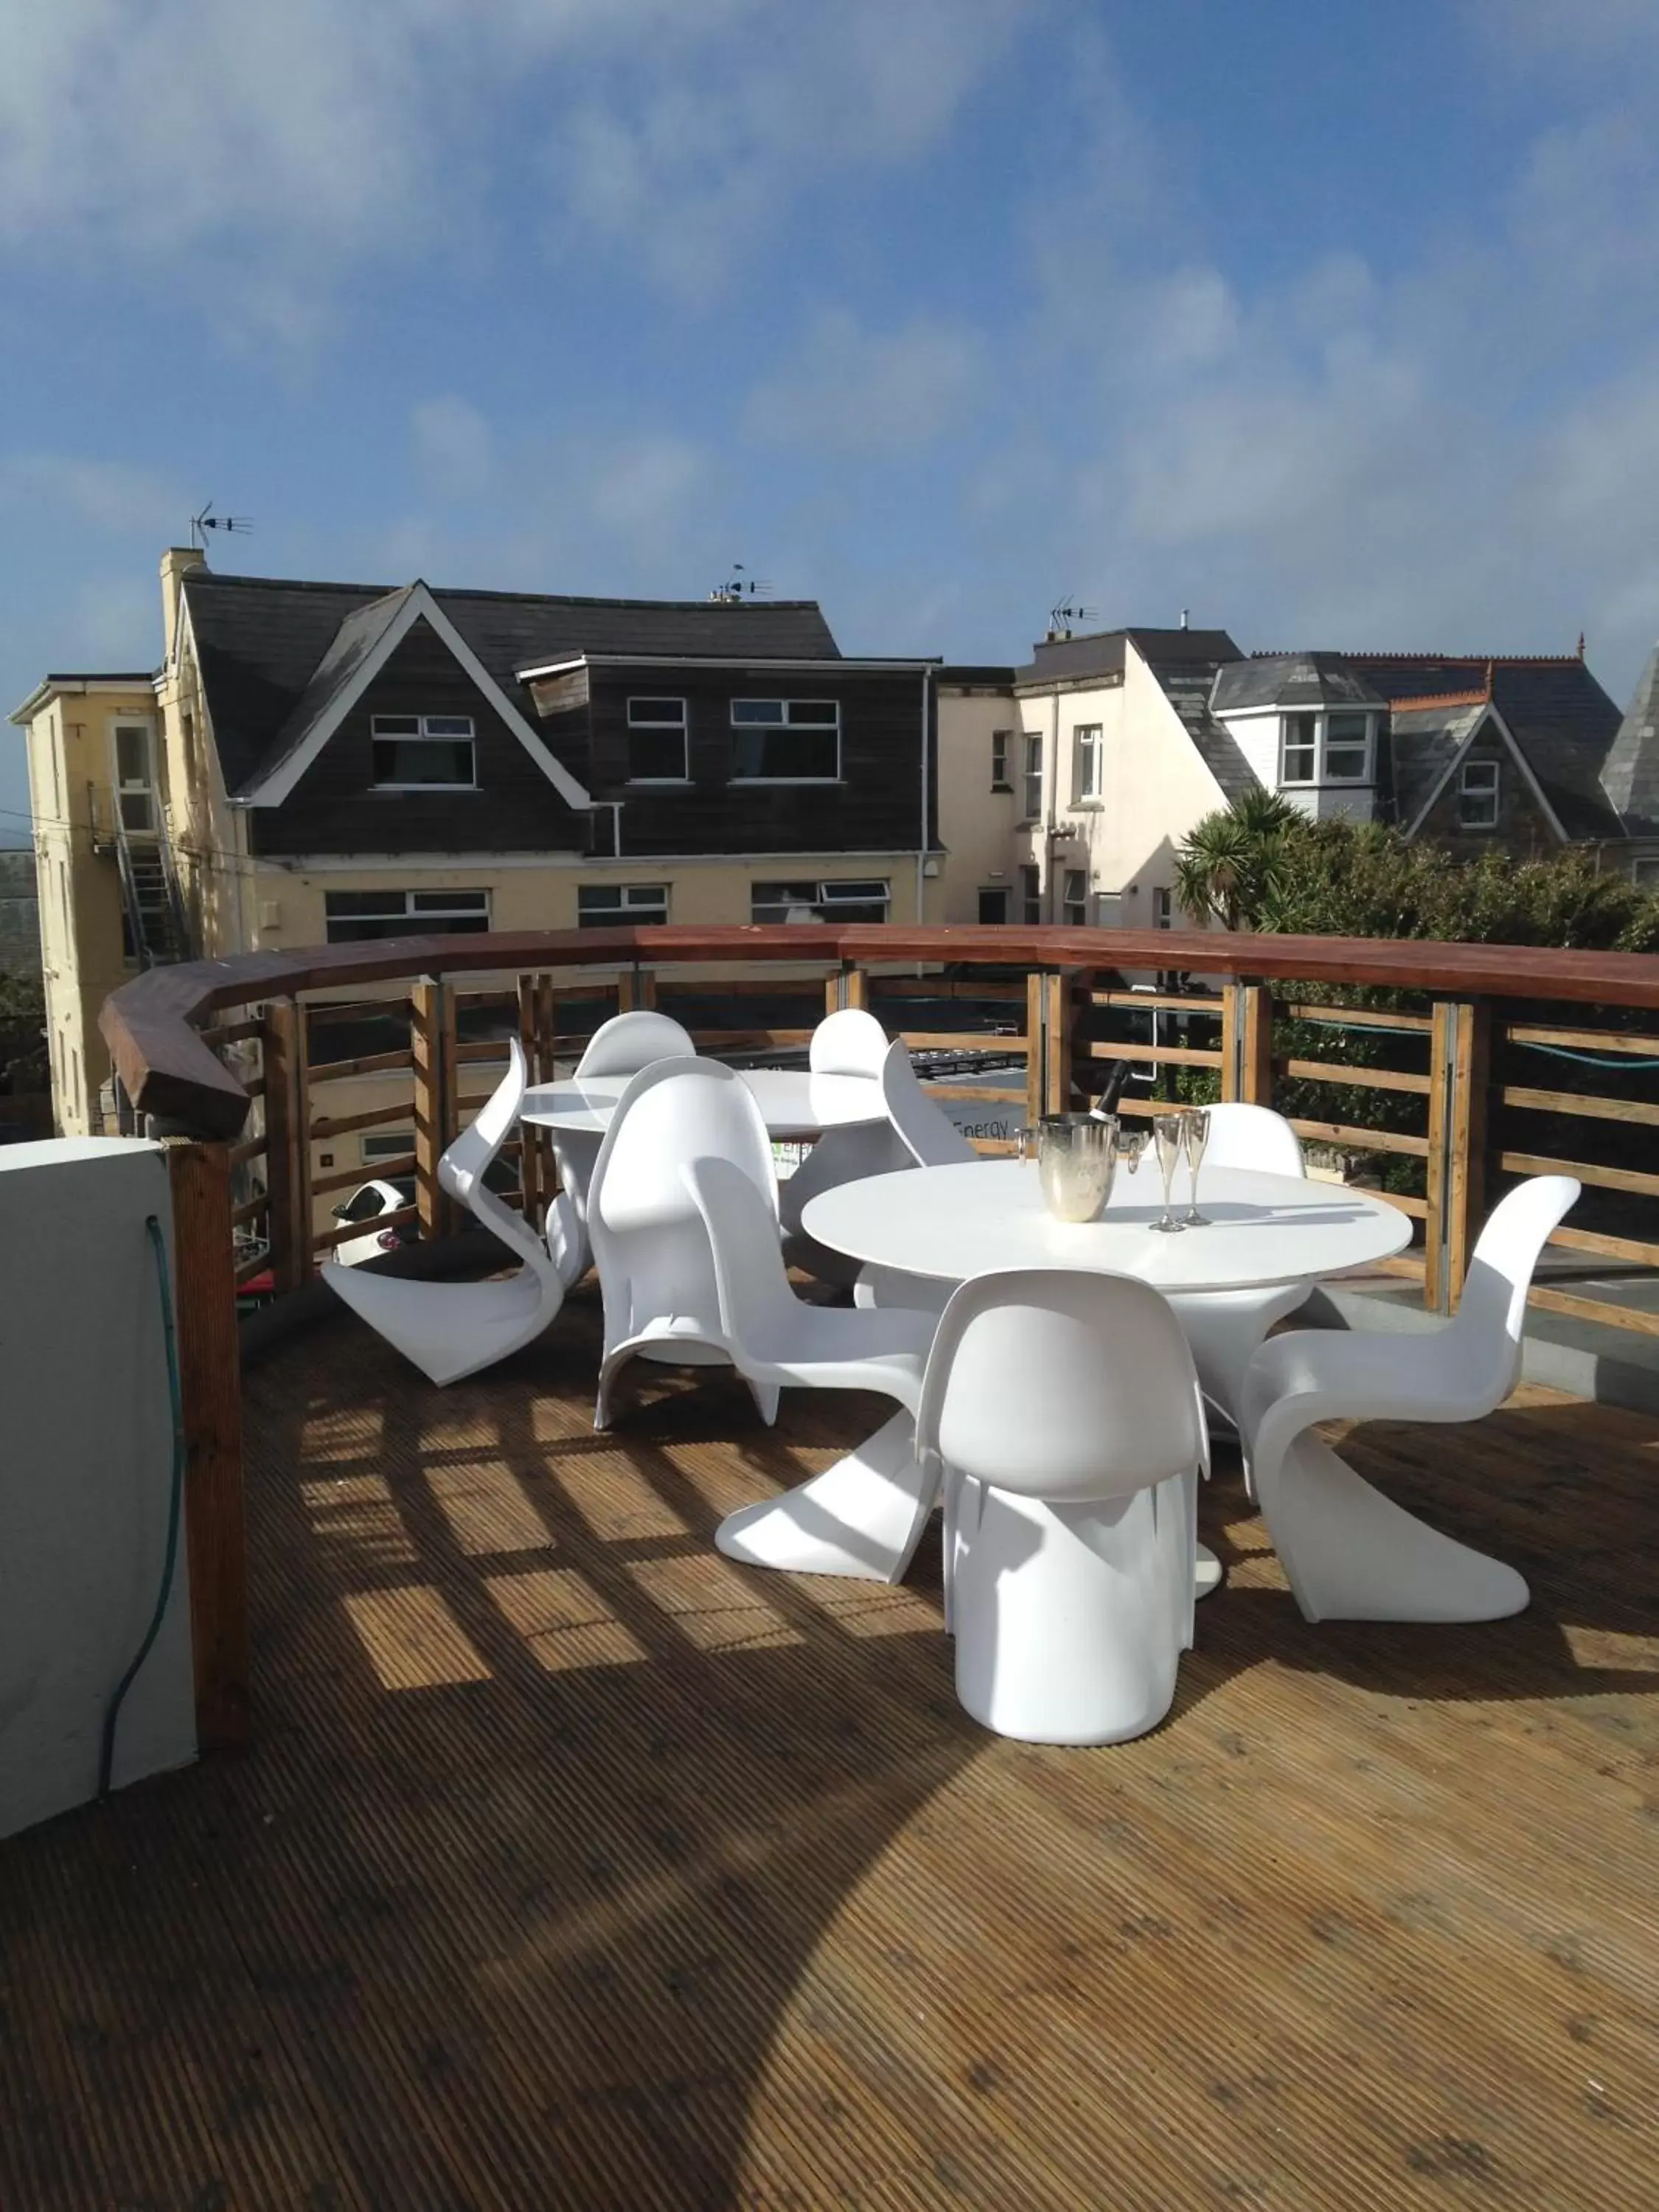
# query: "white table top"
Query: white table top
794,1102
952,1223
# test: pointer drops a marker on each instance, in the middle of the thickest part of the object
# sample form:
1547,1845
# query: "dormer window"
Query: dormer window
423,752
1326,748
656,741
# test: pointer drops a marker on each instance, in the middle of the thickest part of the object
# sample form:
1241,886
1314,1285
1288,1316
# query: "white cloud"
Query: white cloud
849,390
260,151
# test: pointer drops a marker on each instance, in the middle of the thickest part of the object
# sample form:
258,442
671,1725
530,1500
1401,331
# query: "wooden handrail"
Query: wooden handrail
170,1073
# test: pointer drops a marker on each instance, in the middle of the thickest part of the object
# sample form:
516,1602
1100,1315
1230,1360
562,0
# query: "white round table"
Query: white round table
794,1102
978,1216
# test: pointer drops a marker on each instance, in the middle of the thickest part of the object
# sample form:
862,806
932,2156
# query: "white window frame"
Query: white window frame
1163,907
786,723
1001,746
423,913
1318,743
1030,791
1088,764
1490,791
659,723
642,906
828,894
1074,904
1031,895
422,735
148,786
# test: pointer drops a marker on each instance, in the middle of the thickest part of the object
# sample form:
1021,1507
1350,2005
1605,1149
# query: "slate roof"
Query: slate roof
1423,743
1186,663
1559,716
1290,679
1630,776
266,645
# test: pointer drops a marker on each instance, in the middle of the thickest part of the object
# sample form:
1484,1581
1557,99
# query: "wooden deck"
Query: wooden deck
573,1868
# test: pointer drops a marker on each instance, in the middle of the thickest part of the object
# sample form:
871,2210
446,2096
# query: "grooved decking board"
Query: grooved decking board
573,1867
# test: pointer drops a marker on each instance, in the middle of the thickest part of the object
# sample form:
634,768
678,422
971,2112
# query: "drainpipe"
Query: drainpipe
1051,826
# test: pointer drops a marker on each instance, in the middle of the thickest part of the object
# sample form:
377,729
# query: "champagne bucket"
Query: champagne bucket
1077,1158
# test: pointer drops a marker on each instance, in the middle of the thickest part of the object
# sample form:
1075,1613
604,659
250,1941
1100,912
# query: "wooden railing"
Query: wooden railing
1404,1058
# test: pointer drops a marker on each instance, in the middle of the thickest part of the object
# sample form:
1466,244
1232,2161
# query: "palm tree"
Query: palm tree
1233,863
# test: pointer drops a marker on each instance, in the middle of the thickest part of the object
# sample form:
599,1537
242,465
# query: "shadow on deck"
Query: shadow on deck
575,1867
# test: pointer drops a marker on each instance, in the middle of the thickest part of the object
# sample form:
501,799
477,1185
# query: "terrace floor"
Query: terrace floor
575,1868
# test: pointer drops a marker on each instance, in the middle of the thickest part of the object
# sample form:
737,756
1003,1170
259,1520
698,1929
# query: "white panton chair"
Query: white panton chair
1349,1552
656,1271
449,1330
1062,1413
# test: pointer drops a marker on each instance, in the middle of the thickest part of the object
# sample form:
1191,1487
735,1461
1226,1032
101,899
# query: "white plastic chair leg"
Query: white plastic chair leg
1069,1624
1352,1554
862,1517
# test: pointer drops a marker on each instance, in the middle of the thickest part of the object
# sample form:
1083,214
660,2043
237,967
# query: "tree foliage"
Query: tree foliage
24,1067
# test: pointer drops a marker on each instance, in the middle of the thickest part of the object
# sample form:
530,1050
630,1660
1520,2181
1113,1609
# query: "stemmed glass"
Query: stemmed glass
1197,1135
1131,1143
1169,1137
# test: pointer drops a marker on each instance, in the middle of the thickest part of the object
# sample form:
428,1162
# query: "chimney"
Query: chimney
176,563
1183,617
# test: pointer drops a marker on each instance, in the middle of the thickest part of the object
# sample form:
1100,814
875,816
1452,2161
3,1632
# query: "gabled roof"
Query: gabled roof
1630,776
1562,721
1430,744
362,646
260,641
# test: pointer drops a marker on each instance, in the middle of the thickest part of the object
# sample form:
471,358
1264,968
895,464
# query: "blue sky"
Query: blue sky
1336,324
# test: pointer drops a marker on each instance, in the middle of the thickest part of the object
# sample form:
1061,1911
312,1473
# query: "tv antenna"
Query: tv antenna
201,523
741,586
1062,617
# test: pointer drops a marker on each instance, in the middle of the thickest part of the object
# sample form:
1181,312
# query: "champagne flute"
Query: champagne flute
1167,1136
1197,1136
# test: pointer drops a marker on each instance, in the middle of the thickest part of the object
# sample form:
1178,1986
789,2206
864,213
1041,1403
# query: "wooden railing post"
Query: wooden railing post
1460,1065
636,987
285,1045
849,985
209,1378
1051,1011
429,1022
1247,1043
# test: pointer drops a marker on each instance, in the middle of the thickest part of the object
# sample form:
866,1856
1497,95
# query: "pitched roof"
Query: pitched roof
1629,774
1290,679
1186,663
1561,720
1424,742
260,641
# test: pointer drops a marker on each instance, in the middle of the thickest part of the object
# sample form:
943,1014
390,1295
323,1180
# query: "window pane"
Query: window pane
396,726
447,726
599,896
347,903
1481,776
757,710
445,762
788,753
131,755
449,902
994,906
670,713
656,755
818,713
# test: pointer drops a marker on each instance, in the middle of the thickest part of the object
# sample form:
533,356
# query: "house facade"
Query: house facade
320,763
1069,787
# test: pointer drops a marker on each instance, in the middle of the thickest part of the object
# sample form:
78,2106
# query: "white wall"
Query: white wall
85,1468
975,823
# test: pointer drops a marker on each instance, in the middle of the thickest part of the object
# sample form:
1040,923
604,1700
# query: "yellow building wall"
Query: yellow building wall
977,824
71,793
